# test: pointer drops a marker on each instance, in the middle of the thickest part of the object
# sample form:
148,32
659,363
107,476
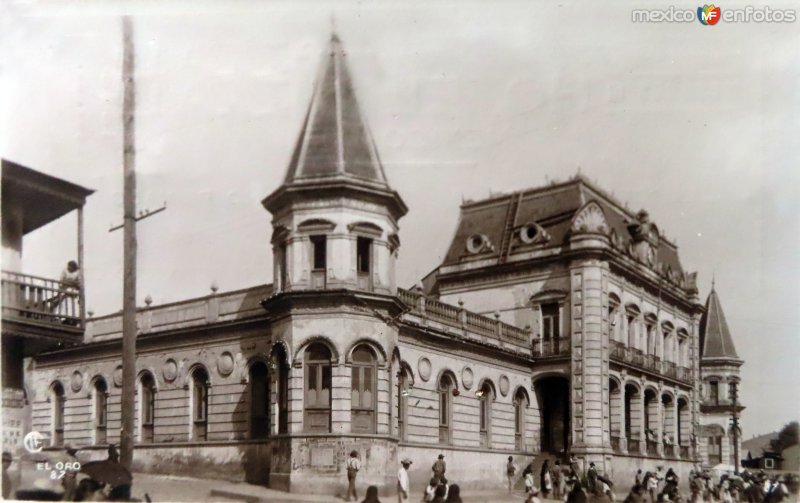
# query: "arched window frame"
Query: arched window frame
521,404
259,388
405,382
445,387
59,400
486,396
318,377
200,390
100,409
147,407
363,363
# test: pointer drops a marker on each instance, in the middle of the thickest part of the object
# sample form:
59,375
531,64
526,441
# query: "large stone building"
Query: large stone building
558,322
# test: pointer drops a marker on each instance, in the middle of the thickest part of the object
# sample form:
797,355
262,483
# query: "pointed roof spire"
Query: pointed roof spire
335,140
335,149
715,337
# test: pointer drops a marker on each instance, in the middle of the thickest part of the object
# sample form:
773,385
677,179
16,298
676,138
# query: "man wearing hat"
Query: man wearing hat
353,466
439,467
402,480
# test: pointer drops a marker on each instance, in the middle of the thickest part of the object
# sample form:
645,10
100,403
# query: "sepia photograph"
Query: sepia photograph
376,250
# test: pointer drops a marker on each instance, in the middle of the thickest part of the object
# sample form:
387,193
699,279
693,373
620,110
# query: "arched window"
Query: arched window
486,396
59,401
362,390
282,387
402,402
259,400
199,404
100,410
147,406
318,388
446,387
521,402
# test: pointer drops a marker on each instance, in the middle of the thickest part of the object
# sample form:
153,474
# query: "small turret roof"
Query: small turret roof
715,336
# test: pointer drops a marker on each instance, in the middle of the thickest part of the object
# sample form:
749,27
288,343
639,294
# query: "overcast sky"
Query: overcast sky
698,124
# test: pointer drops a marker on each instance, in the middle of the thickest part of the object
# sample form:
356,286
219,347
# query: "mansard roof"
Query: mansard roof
552,208
715,337
335,148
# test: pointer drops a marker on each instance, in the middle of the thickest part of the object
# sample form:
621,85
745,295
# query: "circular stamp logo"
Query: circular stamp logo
33,441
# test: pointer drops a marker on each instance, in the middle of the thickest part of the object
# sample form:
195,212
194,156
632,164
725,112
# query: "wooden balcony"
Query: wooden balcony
40,301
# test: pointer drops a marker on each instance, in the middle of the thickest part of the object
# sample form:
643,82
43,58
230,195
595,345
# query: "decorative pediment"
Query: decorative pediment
590,219
366,228
316,225
533,233
549,295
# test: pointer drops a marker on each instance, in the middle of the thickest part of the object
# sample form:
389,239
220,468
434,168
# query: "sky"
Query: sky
697,124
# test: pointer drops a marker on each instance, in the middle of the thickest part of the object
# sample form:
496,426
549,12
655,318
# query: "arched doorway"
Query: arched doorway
552,393
259,400
615,413
633,416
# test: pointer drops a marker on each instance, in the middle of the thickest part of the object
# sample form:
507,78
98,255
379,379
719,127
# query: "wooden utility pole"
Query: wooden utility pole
129,247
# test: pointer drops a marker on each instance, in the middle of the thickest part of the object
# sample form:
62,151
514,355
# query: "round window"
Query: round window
476,243
528,233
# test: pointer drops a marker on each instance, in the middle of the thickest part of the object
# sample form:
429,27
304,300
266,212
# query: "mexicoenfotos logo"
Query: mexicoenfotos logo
709,15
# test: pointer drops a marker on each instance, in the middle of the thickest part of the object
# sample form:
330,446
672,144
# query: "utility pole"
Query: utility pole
734,396
129,246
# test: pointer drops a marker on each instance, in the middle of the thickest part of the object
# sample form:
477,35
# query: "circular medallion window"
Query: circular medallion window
476,243
528,233
504,385
76,381
169,370
467,377
424,369
118,376
225,364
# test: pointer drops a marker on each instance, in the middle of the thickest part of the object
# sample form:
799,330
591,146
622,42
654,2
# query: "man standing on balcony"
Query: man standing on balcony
71,276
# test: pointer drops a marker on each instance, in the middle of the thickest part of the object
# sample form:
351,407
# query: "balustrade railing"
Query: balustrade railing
38,299
635,357
633,445
684,451
652,448
669,451
551,347
459,317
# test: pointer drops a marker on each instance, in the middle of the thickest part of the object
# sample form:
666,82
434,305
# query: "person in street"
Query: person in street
576,495
453,494
113,454
70,479
558,480
402,480
573,466
430,490
7,459
440,494
439,467
372,495
636,495
511,470
353,466
533,498
545,479
530,488
651,481
639,478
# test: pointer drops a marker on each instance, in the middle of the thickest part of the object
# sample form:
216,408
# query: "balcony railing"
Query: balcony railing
551,347
457,316
633,445
684,451
669,451
615,444
652,363
652,448
31,298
